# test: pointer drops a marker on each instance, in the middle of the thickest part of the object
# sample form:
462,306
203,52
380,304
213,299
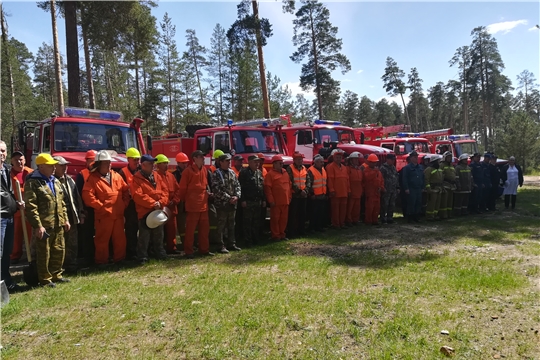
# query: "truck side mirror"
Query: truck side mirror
149,142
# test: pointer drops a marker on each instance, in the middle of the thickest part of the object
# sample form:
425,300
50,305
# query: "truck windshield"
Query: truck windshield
406,147
254,141
329,135
81,137
465,148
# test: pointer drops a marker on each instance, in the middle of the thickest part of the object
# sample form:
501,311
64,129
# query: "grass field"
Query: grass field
364,293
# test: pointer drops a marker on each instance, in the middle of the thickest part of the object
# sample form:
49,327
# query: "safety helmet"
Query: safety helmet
260,155
181,158
90,155
426,157
297,154
161,159
103,155
354,155
336,151
372,158
218,153
448,153
277,158
133,153
464,157
156,218
435,157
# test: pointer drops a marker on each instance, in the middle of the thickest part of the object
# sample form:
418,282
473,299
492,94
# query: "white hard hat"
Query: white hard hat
103,155
448,153
354,155
336,151
435,158
464,157
156,218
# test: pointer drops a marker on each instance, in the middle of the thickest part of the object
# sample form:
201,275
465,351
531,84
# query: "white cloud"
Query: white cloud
504,26
396,99
534,28
360,71
295,89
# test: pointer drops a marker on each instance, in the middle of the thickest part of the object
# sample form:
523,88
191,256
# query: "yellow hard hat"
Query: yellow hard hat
218,153
45,159
133,153
160,159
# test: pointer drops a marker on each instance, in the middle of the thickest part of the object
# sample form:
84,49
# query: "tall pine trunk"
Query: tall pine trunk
9,69
57,61
316,66
72,54
264,88
89,81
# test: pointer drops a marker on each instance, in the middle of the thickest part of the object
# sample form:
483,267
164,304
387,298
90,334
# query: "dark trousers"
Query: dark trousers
7,234
414,202
507,199
297,217
132,227
492,199
484,199
251,221
319,214
86,234
475,199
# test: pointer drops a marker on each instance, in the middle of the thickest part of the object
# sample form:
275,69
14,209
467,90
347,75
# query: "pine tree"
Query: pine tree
527,82
383,113
349,107
316,41
217,69
366,111
280,97
462,58
393,82
196,54
436,96
302,109
170,61
415,87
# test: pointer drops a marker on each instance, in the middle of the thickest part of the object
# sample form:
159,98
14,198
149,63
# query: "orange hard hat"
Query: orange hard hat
260,155
297,154
90,155
372,158
276,158
181,158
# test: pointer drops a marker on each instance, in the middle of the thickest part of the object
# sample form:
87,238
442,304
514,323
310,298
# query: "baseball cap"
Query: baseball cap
391,156
61,160
238,157
253,157
225,157
147,157
16,153
45,159
197,153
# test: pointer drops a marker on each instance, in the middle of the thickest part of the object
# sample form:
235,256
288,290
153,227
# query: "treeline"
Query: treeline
131,62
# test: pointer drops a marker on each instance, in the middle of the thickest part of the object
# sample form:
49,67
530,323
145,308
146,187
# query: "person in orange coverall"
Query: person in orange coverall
338,188
162,163
373,183
355,184
277,188
149,193
108,194
19,172
194,192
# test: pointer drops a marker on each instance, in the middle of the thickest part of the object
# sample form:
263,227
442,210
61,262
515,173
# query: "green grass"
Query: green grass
364,293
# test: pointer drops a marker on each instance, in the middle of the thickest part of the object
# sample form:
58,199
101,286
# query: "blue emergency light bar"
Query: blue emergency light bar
407,134
459,137
327,122
93,114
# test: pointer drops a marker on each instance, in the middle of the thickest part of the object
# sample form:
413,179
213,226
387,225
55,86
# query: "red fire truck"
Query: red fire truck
401,144
243,138
321,136
443,140
77,131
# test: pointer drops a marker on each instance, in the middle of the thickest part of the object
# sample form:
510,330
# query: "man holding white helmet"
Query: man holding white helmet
449,185
434,187
464,185
108,194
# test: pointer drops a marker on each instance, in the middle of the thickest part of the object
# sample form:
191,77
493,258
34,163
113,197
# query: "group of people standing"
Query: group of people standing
104,216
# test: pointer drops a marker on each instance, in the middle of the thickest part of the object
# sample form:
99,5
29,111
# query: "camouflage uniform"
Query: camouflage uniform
48,210
449,184
388,198
74,208
253,194
225,185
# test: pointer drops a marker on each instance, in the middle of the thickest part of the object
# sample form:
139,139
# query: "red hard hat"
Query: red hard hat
276,158
297,154
260,155
372,158
181,158
90,155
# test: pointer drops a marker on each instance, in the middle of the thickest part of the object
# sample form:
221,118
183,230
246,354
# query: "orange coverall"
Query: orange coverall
339,189
277,188
373,183
353,203
109,202
193,192
174,197
18,239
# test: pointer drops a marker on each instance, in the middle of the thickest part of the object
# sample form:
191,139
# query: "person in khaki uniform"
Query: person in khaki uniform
434,187
449,185
46,212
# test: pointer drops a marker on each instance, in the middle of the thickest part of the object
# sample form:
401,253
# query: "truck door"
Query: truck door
36,146
203,142
304,144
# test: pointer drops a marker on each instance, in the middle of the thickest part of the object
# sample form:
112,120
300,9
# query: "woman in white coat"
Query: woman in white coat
511,177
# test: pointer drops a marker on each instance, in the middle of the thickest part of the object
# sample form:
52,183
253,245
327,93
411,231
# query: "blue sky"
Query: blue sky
424,35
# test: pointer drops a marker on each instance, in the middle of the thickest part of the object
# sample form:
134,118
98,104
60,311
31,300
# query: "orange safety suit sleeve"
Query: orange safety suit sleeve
268,183
176,193
89,194
125,192
164,195
184,181
138,194
330,177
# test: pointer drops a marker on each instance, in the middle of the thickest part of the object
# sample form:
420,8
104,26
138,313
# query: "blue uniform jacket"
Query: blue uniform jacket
412,177
477,172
